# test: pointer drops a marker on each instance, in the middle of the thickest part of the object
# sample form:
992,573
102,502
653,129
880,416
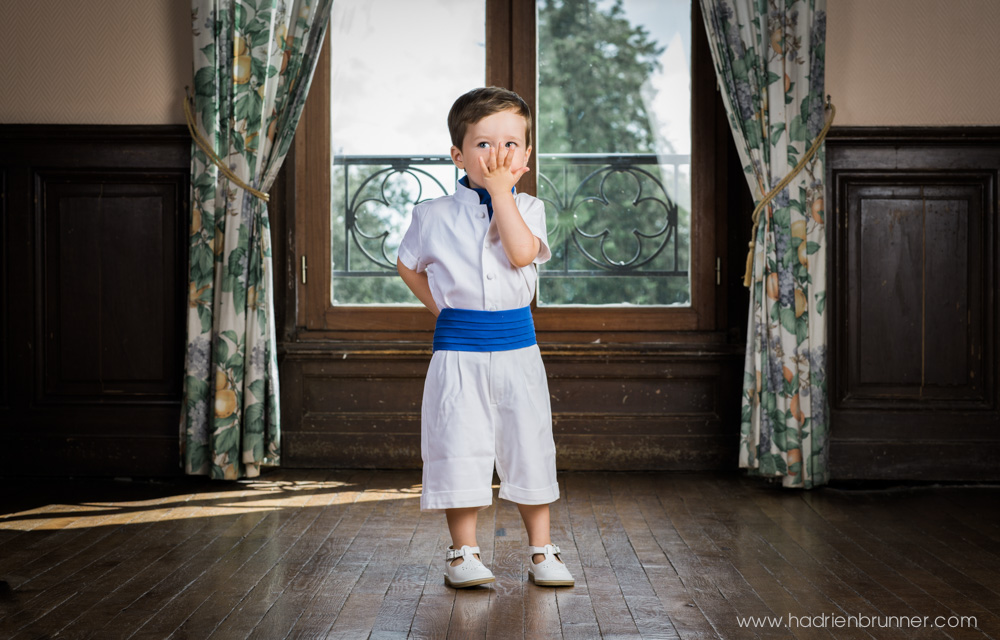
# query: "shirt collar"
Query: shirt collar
472,195
466,194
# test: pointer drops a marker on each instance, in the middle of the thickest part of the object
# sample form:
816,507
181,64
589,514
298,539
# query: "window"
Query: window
389,135
631,211
614,149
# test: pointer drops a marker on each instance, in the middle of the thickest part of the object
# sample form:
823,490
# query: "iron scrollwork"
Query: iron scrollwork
638,198
375,189
598,239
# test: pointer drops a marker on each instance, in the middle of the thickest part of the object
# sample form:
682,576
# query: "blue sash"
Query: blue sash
472,330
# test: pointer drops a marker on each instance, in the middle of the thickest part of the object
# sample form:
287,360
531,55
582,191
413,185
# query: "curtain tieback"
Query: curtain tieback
748,274
207,148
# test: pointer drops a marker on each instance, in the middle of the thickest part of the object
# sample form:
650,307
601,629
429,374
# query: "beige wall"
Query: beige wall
914,62
889,62
94,61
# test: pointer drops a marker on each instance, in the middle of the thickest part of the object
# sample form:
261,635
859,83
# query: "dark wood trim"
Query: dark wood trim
5,370
111,134
912,135
498,44
554,338
597,352
283,252
313,163
524,71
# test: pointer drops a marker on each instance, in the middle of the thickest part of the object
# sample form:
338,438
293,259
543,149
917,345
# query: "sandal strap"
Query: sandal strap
460,553
547,549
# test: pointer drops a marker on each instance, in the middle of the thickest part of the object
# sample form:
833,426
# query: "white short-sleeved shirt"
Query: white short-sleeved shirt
454,240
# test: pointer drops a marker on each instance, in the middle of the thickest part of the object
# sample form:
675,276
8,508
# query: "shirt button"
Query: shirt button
489,276
482,215
493,307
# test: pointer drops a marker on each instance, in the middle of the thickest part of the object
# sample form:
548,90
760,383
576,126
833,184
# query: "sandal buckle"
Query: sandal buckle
451,554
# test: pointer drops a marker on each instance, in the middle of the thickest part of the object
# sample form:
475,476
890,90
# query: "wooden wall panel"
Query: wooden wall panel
4,296
626,396
95,254
381,393
914,335
914,290
110,284
614,407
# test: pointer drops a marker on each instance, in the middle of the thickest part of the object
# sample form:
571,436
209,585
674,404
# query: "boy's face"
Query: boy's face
504,131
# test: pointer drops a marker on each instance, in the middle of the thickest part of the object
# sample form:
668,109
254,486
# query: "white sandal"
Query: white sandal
549,572
467,574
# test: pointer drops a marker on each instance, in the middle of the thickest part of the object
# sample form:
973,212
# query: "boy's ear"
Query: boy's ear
456,157
527,155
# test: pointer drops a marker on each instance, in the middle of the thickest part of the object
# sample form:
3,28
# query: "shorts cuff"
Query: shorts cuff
441,500
529,496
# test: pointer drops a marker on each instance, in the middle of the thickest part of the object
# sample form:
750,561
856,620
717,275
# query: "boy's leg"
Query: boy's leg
522,413
462,525
456,432
536,521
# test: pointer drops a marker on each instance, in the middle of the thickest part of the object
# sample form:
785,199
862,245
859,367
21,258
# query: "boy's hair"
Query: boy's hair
475,105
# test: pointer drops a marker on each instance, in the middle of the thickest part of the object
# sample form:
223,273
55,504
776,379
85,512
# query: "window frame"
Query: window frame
511,48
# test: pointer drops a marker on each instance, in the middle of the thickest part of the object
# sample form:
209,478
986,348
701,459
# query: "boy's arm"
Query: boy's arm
417,282
519,243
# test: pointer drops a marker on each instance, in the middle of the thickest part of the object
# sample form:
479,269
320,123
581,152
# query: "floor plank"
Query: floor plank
895,577
349,554
717,587
505,617
283,571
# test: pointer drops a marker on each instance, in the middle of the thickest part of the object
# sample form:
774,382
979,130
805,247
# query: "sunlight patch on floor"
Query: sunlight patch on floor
253,496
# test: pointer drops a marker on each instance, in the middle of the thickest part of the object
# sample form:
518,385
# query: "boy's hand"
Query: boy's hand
520,245
498,177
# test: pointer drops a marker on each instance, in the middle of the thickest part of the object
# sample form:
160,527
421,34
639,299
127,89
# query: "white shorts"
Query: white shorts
481,408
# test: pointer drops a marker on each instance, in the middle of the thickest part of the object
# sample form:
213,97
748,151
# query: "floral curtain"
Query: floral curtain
769,60
253,64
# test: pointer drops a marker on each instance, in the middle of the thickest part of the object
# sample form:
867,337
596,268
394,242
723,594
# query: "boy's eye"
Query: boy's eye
483,145
511,144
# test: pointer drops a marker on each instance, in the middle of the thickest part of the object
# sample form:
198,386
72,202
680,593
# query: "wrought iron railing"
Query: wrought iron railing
569,183
607,214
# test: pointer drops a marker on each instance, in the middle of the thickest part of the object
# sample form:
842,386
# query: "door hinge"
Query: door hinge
304,269
718,270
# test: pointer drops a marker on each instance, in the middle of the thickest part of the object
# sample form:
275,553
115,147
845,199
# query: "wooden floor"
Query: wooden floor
348,554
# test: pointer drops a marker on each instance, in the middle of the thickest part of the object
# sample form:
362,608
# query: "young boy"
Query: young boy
470,258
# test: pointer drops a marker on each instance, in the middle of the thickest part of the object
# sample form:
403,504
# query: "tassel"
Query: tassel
748,274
